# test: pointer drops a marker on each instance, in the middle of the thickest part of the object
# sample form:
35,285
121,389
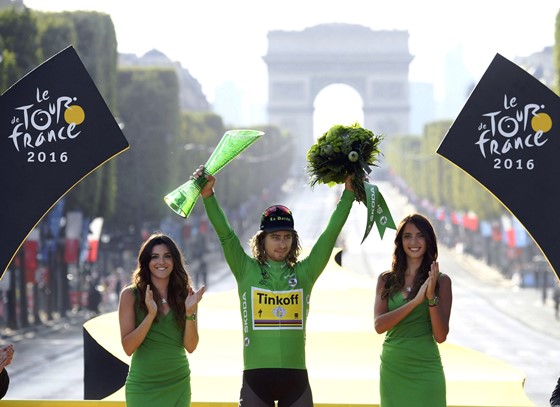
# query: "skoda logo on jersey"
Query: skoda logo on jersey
279,312
264,276
247,341
292,281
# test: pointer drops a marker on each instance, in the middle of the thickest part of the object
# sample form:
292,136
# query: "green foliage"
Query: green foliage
93,36
9,72
402,156
149,109
96,43
434,178
199,134
263,168
55,33
18,33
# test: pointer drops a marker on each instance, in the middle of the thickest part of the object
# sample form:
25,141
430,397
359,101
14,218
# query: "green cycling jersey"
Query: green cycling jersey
274,297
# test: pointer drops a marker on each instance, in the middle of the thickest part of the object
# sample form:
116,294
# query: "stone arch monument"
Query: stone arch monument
302,63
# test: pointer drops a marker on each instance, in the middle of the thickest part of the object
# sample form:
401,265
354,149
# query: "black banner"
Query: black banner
505,138
56,129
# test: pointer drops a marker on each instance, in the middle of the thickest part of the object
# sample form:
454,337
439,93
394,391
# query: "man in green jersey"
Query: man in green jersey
274,288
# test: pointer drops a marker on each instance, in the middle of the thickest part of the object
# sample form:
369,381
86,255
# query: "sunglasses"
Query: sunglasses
269,211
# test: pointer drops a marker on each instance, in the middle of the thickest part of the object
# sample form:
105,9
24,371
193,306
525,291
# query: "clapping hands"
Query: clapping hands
428,288
6,356
193,299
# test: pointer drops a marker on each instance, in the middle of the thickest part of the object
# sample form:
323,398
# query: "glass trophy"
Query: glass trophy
233,142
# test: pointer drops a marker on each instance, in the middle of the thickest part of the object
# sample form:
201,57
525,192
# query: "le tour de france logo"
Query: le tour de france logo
44,121
512,127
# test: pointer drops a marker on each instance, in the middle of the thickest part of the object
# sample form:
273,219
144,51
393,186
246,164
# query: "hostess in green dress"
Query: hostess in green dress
411,372
159,373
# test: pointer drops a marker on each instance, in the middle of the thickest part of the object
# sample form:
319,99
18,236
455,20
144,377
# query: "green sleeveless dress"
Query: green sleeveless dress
411,372
159,373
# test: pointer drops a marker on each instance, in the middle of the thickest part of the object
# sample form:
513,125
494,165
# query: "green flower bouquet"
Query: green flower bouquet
343,151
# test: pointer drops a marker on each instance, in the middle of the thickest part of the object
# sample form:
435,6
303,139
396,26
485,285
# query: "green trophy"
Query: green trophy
233,142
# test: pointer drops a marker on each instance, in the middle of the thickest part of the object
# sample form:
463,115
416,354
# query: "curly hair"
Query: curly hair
179,280
256,243
394,278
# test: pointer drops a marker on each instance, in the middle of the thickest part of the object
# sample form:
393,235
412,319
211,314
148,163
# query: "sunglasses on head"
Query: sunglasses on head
275,208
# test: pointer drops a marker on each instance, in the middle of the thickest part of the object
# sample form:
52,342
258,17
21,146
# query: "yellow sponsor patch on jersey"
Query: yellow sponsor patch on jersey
277,309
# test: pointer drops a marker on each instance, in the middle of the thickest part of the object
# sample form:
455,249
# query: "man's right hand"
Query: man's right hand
208,189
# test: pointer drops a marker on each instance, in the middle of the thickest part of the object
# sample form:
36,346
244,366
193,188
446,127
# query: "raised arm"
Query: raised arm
322,249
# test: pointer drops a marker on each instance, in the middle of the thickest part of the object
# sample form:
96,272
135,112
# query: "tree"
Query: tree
93,36
149,109
18,34
55,33
9,73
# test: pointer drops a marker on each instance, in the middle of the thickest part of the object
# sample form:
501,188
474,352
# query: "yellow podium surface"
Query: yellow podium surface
342,353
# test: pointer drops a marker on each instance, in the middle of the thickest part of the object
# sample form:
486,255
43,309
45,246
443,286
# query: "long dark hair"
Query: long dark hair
179,279
257,248
394,279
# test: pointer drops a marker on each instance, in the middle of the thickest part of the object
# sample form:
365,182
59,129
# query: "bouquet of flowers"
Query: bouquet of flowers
342,151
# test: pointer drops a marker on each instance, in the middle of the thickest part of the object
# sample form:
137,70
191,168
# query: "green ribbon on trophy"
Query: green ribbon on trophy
233,143
377,211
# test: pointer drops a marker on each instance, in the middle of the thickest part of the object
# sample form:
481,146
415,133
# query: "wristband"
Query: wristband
433,302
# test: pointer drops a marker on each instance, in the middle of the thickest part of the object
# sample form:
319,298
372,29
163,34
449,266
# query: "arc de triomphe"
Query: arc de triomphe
302,63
